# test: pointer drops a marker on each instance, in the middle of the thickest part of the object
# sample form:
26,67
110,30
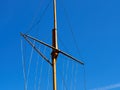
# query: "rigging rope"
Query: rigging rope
74,39
23,65
39,81
26,76
32,26
63,44
49,73
29,65
67,68
35,16
36,71
84,78
72,66
63,81
48,77
75,81
71,29
64,85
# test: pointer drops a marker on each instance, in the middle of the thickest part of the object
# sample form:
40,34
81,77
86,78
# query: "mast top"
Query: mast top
55,15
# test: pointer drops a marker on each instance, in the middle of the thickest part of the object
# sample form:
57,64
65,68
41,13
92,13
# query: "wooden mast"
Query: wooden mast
54,53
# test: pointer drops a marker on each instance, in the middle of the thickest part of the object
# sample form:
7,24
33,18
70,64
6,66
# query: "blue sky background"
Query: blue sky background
96,27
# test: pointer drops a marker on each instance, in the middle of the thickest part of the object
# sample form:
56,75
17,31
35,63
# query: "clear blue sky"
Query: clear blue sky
95,24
